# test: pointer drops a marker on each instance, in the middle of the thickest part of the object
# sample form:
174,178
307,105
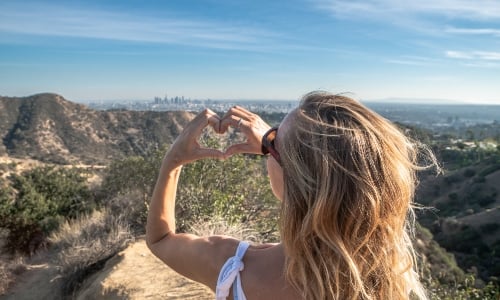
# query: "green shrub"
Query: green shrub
38,201
464,240
236,190
131,174
489,228
479,179
453,178
469,172
490,169
486,200
466,289
453,196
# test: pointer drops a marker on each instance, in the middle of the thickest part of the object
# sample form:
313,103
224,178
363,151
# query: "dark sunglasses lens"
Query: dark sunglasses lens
268,140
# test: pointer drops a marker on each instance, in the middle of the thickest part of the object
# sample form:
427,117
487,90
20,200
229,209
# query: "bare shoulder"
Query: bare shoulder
198,258
263,275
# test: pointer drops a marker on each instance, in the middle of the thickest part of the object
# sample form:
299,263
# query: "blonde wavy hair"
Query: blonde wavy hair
347,215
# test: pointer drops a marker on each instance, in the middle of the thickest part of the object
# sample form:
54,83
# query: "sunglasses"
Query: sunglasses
268,144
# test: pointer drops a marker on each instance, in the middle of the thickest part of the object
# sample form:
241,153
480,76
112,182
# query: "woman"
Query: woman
345,177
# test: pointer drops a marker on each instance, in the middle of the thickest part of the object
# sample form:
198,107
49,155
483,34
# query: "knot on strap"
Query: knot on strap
229,272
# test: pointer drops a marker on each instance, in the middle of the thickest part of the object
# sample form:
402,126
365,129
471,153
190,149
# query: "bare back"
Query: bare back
263,275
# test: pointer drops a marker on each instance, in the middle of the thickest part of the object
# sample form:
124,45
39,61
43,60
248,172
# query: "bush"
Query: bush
236,190
490,169
37,202
489,228
479,179
464,240
469,173
453,196
132,174
462,290
486,200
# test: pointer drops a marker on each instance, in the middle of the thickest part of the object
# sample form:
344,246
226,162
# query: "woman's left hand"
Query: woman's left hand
252,127
186,147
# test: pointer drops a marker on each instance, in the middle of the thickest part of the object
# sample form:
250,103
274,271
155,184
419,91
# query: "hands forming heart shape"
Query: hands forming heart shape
186,147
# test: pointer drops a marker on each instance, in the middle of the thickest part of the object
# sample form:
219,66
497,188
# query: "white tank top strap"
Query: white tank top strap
230,275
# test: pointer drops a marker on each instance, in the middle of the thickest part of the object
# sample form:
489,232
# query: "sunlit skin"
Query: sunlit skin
275,177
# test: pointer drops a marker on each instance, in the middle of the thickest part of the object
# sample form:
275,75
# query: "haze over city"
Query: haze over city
208,49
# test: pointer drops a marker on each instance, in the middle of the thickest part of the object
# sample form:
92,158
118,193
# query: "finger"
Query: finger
214,121
203,119
239,111
236,113
233,121
210,153
239,148
242,111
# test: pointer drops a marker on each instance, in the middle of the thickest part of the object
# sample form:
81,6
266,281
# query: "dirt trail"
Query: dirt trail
134,273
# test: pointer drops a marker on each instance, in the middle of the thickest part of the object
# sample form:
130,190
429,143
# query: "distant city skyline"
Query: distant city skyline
375,50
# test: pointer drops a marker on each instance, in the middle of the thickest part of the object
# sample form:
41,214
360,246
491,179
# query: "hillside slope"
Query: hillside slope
134,273
466,219
49,128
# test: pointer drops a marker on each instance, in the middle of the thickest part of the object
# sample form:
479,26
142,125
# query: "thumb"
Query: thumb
236,149
210,153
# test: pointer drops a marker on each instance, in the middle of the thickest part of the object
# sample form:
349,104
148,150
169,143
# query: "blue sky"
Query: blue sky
229,49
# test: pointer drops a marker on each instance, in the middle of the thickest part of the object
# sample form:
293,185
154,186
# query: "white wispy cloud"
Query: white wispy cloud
474,31
413,60
458,54
483,64
474,55
406,62
430,17
465,9
475,59
50,20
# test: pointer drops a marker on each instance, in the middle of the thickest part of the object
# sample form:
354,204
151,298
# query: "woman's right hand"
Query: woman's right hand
250,124
186,147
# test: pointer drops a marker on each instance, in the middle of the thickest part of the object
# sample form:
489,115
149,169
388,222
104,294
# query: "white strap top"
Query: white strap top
231,271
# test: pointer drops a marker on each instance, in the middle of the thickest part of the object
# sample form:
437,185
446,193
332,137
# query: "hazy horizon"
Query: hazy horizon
392,100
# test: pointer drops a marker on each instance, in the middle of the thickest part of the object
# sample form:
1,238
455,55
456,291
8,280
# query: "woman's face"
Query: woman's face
274,169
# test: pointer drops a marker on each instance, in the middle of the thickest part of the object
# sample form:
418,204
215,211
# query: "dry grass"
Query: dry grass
221,227
10,269
83,246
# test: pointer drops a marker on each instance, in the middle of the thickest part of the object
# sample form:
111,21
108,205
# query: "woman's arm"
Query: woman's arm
185,149
198,258
189,255
161,215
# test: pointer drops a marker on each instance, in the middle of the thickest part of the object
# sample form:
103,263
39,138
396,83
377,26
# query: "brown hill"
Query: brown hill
49,128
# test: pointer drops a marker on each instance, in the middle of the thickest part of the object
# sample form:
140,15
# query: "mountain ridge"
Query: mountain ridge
50,128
